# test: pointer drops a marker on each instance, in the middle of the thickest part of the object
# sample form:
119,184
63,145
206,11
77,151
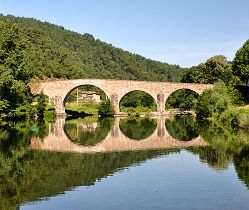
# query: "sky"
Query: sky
182,32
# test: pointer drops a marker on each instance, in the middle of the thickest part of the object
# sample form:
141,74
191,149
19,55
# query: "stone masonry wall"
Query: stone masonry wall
114,89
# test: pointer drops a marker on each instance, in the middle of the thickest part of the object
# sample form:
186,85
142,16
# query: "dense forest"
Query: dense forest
50,51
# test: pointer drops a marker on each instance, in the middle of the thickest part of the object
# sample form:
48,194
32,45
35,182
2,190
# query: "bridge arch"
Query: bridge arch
87,131
148,98
85,85
182,127
72,88
138,128
184,98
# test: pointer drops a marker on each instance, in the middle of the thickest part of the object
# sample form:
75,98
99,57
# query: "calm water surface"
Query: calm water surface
132,163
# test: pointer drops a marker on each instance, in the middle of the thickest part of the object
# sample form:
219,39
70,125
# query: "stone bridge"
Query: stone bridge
114,89
57,140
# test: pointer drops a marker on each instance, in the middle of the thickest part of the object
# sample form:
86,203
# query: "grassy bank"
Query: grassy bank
139,110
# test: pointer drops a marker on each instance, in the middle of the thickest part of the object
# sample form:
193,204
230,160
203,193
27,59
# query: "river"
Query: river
123,163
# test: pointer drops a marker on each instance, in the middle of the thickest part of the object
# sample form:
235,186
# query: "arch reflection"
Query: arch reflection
88,131
182,127
138,128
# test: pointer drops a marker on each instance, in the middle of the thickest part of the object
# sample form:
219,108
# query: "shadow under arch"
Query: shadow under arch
87,131
182,127
183,98
135,98
138,128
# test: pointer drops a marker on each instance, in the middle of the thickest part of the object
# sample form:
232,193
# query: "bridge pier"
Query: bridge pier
160,103
161,129
59,105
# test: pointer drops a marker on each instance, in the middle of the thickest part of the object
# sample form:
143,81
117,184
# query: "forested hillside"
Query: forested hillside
50,51
31,50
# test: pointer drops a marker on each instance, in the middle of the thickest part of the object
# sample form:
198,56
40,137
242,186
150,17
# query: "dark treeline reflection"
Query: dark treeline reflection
226,145
31,175
182,127
89,130
138,128
14,158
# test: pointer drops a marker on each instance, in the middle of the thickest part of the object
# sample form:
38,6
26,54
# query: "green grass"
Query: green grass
139,110
87,108
88,119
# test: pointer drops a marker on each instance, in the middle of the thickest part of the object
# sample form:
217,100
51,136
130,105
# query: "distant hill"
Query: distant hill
50,51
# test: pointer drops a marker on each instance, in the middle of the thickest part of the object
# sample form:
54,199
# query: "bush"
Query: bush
106,109
213,102
41,105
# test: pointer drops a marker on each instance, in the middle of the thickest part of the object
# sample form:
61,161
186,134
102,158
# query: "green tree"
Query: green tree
183,99
14,74
241,62
106,108
214,69
191,75
212,102
137,98
41,105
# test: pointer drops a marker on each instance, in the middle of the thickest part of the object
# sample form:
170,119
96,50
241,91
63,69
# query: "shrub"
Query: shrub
213,102
106,108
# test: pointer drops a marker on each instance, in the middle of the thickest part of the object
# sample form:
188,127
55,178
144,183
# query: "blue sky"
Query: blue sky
183,32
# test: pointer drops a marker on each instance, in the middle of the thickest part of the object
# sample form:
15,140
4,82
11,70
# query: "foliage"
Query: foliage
182,127
224,145
84,108
241,162
138,128
137,102
214,69
14,75
58,53
218,103
191,75
212,102
184,99
237,118
106,109
88,132
241,62
41,105
139,110
137,98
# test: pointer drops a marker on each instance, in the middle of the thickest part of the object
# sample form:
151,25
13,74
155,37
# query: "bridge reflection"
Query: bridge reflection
115,140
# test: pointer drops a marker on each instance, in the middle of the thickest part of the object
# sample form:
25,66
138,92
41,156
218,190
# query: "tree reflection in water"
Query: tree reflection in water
31,175
182,127
88,131
138,128
226,145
